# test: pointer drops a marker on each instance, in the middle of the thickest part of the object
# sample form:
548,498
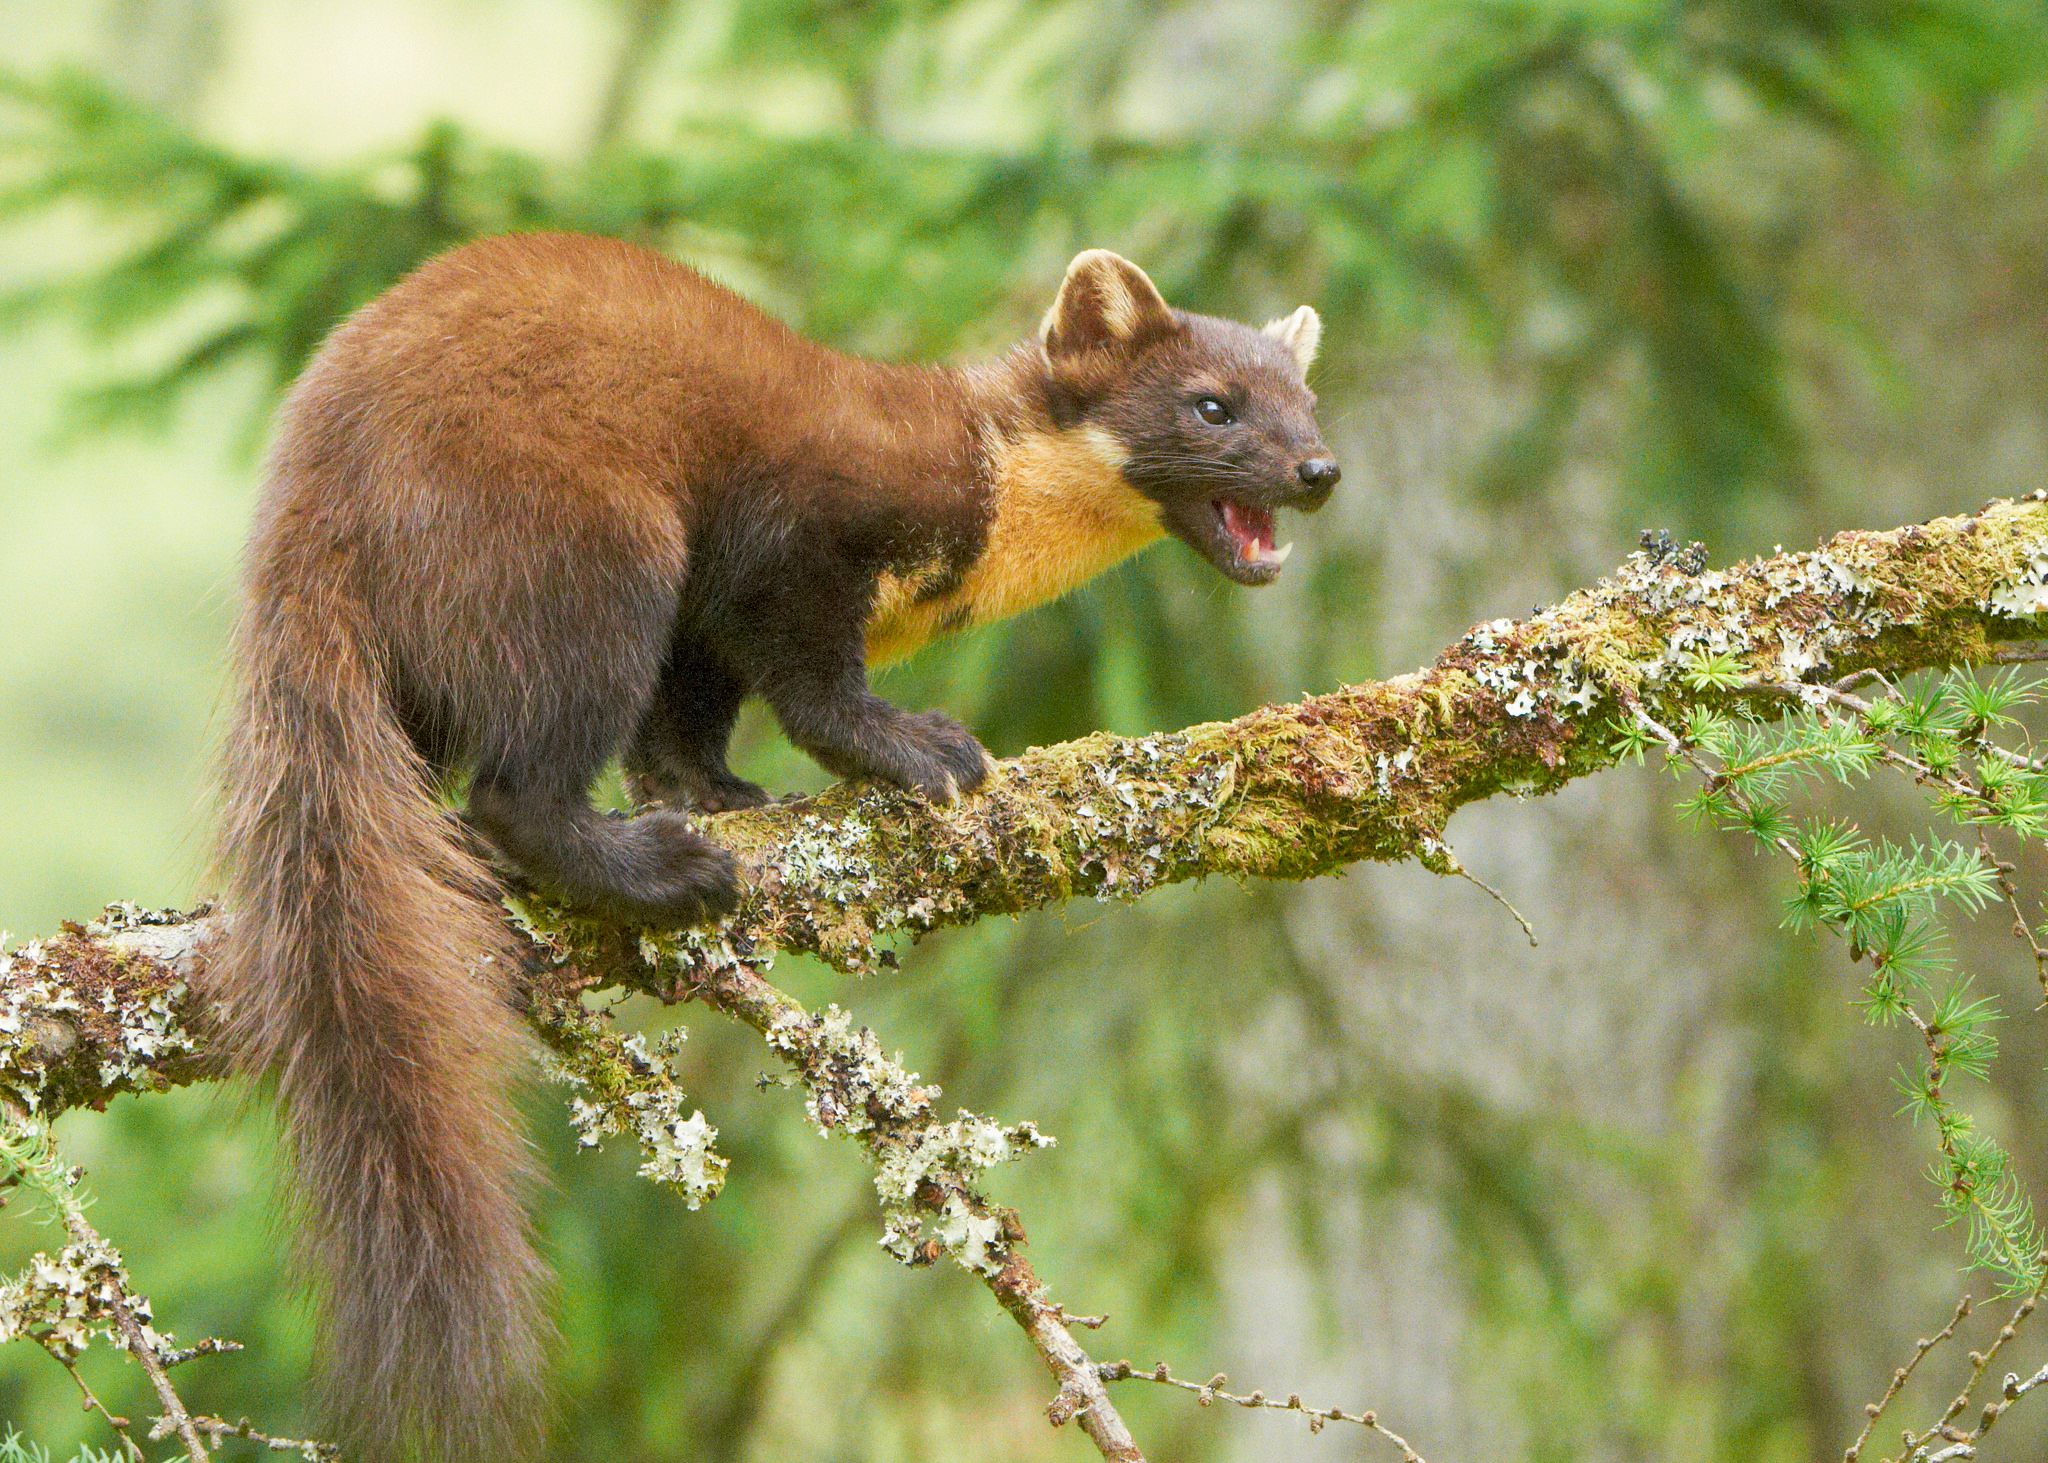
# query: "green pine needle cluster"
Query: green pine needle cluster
29,1162
14,1448
1892,903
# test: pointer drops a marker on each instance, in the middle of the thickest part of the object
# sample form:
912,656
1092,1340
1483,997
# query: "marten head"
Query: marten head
1211,420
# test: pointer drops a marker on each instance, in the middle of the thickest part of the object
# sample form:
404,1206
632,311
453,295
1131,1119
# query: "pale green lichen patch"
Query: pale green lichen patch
1129,829
64,1299
61,1301
926,1170
624,1087
97,1010
972,1237
850,1084
2025,594
944,1159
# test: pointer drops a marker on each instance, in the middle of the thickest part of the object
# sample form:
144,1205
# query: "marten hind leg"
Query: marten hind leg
652,868
543,746
677,755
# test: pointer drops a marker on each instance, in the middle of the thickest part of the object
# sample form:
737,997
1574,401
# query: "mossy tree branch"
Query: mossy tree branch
1367,772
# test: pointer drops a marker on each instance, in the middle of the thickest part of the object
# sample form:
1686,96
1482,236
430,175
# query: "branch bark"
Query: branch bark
1373,771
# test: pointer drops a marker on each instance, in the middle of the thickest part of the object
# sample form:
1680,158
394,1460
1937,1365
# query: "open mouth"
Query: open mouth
1245,537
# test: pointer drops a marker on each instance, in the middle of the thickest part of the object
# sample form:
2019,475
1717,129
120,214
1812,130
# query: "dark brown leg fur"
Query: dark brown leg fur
678,753
653,868
819,692
539,754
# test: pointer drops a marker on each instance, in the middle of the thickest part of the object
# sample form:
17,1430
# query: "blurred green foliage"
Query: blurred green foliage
1694,262
1550,175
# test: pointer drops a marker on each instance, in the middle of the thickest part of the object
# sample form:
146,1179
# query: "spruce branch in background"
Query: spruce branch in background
1368,772
1528,173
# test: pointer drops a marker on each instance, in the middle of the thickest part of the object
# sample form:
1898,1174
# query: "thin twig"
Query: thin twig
118,1423
1916,1445
1212,1391
1873,1411
1447,862
218,1428
2011,1392
177,1356
2001,872
138,1345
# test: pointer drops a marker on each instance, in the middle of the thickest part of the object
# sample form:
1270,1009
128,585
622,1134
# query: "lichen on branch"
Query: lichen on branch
1375,771
1371,771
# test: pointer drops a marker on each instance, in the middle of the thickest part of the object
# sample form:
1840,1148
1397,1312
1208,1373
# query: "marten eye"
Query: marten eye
1214,412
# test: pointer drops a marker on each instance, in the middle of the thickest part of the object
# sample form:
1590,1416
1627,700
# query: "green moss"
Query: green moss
1367,772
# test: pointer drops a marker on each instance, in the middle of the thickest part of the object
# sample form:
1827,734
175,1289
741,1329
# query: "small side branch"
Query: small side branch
1212,1391
140,1344
1900,1377
1944,1440
927,1166
63,1302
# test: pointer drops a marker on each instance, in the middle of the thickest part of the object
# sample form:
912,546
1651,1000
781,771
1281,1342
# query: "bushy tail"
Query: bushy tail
358,970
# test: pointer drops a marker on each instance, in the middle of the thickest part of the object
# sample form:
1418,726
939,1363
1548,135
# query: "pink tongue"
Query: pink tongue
1251,527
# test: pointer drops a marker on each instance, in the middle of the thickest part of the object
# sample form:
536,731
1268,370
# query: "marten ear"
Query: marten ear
1105,301
1301,333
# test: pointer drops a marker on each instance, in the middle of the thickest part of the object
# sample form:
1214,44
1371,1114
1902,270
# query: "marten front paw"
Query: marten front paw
945,759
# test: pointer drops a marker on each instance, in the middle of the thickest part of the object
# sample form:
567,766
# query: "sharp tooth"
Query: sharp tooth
1277,557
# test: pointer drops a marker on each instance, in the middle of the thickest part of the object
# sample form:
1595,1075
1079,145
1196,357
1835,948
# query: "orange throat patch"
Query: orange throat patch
1063,514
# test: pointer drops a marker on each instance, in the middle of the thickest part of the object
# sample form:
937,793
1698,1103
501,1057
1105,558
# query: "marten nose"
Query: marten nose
1320,473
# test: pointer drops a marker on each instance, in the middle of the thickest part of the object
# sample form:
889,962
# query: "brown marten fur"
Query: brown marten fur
553,500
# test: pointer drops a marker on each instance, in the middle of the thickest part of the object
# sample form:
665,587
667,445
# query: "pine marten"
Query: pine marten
552,500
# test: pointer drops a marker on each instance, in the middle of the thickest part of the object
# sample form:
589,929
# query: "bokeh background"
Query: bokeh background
1747,270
